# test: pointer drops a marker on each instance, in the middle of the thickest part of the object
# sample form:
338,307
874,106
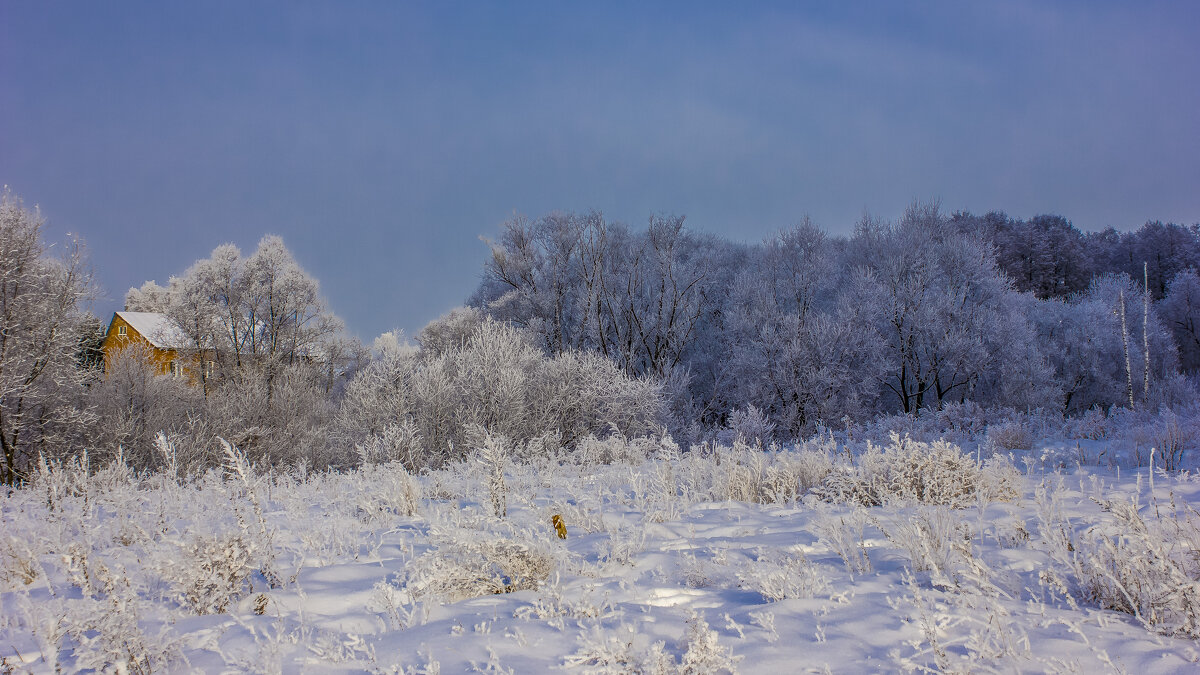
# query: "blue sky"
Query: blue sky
381,140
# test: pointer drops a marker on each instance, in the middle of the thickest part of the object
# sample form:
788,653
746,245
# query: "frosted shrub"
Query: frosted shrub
794,474
58,481
136,406
957,423
492,457
1001,428
931,538
847,536
782,575
1010,435
18,563
388,490
254,531
748,474
214,573
462,566
1174,438
108,636
965,420
616,449
498,380
1145,566
553,604
625,544
926,473
704,655
1092,425
396,443
606,653
660,492
398,606
748,425
593,451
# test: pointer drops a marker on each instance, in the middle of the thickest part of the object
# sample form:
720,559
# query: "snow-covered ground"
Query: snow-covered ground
723,559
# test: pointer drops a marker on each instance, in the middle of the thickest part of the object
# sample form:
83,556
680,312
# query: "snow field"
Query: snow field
725,558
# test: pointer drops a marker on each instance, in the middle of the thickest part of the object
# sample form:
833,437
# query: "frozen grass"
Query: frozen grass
902,556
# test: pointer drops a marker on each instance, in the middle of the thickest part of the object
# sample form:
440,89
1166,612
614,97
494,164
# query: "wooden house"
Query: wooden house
164,344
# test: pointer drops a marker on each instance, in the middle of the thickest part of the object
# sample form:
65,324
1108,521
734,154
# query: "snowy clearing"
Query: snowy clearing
719,559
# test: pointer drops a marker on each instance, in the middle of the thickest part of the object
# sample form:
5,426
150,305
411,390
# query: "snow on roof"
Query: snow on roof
159,329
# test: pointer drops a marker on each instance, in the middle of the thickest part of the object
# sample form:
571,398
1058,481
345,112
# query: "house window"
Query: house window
174,369
210,367
121,330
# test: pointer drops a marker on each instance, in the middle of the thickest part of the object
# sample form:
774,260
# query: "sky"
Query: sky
382,140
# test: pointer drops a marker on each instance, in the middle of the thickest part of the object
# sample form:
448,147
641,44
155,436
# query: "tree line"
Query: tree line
584,327
903,316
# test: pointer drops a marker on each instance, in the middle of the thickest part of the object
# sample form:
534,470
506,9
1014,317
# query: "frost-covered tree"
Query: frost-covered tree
41,328
1045,255
938,303
795,352
256,314
1021,375
531,278
1164,250
1089,351
1180,310
658,322
649,301
149,297
449,331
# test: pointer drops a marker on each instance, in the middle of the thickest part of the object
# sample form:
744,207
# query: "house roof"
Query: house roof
157,328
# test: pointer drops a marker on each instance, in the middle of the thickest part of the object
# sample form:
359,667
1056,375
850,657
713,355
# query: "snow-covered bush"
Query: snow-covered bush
386,491
136,404
1011,435
492,457
1142,560
960,423
494,380
846,535
1173,437
703,654
398,442
553,603
932,537
625,651
748,425
963,420
463,565
780,575
276,424
615,449
743,473
279,422
214,571
926,473
107,635
18,562
1093,424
